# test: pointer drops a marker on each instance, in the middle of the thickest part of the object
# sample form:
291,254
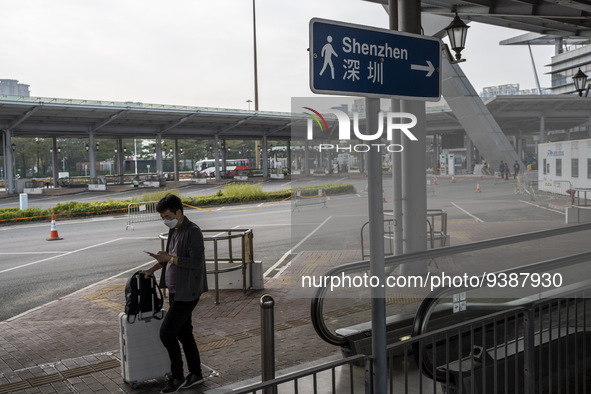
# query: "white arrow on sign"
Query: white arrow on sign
429,68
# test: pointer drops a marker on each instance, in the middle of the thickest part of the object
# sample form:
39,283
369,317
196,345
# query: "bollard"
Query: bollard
23,201
268,341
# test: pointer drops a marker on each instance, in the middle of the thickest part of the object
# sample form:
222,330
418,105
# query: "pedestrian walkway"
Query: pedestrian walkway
71,345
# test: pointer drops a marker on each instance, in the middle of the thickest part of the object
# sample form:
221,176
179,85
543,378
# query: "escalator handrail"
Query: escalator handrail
427,306
392,262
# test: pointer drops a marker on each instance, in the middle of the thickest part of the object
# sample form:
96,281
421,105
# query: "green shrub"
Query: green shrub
330,189
231,194
244,191
155,196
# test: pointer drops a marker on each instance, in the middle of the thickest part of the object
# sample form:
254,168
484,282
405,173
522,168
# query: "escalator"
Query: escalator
344,319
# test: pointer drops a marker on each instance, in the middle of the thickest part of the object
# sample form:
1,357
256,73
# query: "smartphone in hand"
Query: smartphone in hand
150,253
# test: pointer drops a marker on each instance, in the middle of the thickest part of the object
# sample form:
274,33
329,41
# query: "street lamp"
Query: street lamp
13,146
87,148
249,101
457,32
580,80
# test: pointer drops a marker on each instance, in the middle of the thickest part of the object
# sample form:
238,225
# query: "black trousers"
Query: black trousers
177,327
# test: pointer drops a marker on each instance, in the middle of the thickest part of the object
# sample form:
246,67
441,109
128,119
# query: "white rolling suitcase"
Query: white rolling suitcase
143,356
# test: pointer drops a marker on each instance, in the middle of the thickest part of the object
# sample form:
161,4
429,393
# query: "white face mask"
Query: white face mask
171,223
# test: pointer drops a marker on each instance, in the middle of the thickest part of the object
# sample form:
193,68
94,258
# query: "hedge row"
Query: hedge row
86,209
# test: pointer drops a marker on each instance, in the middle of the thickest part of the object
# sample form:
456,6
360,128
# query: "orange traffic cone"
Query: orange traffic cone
478,187
453,179
53,233
435,181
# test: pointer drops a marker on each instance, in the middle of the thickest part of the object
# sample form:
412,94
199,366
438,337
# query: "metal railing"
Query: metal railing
141,212
437,227
389,225
232,260
309,380
436,231
582,197
521,349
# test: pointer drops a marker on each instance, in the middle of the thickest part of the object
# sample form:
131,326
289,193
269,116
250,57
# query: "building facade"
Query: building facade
11,87
565,64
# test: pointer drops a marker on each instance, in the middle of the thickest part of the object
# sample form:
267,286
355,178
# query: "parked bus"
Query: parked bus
206,168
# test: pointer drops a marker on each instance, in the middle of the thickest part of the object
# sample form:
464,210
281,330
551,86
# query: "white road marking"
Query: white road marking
60,255
546,208
294,248
467,213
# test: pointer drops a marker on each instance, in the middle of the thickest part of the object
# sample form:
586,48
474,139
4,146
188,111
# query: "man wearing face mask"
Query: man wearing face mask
183,269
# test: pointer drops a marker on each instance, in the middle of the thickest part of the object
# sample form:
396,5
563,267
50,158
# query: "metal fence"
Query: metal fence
299,199
528,184
141,212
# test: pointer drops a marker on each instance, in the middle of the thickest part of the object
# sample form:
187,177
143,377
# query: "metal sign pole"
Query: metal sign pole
376,246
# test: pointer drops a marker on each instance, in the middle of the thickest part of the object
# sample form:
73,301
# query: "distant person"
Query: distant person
502,169
183,265
516,168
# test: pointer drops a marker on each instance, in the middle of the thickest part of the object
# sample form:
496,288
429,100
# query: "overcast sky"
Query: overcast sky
200,53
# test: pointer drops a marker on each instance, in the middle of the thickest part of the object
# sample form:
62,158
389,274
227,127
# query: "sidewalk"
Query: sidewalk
72,344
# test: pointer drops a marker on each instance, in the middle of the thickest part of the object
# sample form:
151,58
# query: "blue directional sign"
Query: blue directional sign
358,60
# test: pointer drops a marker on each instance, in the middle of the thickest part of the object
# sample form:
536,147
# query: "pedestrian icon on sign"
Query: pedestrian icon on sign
327,52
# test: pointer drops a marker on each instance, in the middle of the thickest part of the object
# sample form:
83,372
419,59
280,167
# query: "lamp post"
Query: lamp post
457,32
14,173
249,101
580,80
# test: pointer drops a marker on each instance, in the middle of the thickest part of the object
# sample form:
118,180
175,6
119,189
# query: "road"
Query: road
34,271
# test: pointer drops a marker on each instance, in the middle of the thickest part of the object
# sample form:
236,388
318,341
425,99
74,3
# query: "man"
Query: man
183,270
516,168
502,169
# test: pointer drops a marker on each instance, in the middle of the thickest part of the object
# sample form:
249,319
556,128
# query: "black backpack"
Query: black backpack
142,295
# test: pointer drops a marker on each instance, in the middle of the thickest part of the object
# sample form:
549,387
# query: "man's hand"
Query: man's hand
162,256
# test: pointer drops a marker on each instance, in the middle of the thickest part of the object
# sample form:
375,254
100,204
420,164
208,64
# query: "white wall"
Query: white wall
553,154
